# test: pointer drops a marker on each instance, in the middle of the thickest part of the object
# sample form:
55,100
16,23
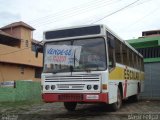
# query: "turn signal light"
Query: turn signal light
104,86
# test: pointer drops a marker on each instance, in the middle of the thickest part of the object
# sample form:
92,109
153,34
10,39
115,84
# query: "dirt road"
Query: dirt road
143,110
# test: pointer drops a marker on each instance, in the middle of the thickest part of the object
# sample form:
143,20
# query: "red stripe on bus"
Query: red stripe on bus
125,89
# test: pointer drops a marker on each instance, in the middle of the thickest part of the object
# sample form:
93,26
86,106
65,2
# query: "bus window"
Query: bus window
118,52
136,61
125,54
111,51
131,62
142,64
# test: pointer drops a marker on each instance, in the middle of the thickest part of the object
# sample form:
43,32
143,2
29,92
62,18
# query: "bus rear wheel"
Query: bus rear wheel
117,105
70,106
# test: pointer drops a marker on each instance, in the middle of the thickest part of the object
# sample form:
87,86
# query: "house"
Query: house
17,53
149,46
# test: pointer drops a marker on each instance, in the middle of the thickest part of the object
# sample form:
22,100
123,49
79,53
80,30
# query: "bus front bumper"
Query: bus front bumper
75,97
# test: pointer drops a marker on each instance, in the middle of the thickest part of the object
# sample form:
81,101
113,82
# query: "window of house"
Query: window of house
38,72
26,43
22,69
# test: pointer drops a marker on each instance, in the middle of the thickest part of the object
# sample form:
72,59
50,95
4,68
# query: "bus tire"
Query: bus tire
70,106
134,98
117,105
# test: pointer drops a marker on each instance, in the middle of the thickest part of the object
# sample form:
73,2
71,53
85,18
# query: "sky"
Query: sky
127,18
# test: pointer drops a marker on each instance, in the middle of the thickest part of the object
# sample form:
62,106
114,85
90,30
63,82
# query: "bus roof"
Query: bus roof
83,31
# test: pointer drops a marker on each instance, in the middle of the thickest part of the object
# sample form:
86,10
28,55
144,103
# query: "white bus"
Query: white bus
90,64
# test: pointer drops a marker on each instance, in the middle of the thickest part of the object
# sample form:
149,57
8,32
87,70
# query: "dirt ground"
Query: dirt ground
142,110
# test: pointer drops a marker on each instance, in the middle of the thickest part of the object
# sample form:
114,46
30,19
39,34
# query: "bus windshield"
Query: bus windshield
91,55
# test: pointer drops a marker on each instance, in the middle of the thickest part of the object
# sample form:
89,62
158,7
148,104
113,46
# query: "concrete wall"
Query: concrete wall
12,72
10,64
25,56
152,81
15,31
24,91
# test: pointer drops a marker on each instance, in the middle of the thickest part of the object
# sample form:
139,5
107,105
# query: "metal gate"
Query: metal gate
152,81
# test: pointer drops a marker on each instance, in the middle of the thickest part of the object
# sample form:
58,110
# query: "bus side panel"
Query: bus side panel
115,77
132,87
112,92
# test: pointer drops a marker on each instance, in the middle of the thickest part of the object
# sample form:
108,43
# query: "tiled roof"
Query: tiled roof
15,24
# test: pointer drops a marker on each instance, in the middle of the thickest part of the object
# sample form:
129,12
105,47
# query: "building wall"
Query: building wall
10,72
25,36
149,47
16,55
15,31
152,81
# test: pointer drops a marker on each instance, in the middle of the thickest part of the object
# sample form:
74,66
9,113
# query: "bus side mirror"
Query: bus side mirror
111,43
37,50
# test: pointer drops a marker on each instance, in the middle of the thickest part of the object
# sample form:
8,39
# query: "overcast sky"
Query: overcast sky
44,15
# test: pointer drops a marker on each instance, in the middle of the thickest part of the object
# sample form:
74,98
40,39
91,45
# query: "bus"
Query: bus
90,64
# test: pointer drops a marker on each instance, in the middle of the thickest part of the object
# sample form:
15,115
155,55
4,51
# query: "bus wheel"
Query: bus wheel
70,106
134,98
117,105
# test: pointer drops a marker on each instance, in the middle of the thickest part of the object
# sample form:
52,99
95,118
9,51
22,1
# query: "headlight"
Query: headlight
89,87
53,87
47,87
95,87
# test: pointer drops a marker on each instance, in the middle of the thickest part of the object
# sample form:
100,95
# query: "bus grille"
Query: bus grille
75,78
70,97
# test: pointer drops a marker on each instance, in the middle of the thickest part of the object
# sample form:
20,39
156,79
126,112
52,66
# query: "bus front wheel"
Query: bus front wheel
70,106
117,105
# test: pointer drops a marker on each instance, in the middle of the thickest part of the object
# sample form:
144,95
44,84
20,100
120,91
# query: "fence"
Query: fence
23,91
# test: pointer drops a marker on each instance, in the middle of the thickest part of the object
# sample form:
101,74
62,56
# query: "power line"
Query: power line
105,5
72,13
125,6
116,11
73,9
62,11
48,22
91,23
146,15
142,3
